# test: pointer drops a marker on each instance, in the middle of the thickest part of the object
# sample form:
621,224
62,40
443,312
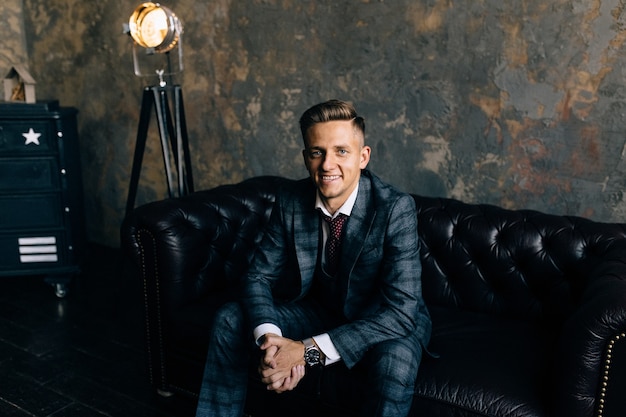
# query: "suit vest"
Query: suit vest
326,289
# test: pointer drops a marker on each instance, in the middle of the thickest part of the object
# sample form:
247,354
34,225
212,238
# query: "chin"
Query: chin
329,190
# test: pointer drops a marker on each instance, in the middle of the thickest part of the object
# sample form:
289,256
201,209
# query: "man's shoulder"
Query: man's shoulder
383,189
296,190
300,186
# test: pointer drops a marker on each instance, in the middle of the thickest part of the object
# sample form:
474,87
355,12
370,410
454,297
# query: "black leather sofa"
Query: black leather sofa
529,309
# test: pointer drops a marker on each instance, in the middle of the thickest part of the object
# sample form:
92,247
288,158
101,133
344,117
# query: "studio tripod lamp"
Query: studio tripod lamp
157,31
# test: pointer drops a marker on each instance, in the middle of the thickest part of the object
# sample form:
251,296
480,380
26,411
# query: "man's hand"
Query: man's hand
282,365
297,373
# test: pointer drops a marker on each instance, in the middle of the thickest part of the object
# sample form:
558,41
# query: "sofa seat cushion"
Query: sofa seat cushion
189,325
487,366
187,329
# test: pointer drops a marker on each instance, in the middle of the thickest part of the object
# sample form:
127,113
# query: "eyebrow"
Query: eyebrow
343,146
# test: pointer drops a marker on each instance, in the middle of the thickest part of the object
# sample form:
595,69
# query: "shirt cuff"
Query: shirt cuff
263,329
328,348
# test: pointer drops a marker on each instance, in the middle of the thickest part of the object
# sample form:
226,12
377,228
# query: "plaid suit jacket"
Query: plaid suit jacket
380,266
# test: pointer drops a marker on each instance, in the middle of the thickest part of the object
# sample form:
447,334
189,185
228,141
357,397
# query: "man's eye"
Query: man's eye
342,152
315,154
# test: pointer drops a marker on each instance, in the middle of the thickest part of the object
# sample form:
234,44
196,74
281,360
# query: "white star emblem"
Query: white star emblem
31,137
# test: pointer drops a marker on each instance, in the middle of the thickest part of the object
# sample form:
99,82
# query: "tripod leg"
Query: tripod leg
173,129
140,146
185,179
163,116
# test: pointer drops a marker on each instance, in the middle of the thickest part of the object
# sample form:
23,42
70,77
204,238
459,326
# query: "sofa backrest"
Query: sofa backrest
517,263
244,210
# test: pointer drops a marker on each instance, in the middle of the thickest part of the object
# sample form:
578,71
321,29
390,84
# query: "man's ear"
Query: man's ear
365,156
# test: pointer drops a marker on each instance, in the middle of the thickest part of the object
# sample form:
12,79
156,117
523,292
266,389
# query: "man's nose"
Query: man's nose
328,161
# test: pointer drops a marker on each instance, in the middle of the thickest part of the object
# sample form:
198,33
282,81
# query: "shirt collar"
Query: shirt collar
346,208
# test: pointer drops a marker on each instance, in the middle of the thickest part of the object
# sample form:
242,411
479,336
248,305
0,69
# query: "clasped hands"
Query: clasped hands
282,364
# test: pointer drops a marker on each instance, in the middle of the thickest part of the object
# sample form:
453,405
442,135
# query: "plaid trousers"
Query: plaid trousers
384,379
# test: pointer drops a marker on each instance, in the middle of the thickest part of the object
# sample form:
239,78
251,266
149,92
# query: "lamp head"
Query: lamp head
156,30
155,27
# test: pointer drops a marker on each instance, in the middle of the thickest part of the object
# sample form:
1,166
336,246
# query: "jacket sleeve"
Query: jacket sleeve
268,264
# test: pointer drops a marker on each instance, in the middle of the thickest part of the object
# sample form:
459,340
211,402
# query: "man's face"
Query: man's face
334,157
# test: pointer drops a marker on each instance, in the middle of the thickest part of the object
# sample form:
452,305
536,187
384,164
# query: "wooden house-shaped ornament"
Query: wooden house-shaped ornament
19,85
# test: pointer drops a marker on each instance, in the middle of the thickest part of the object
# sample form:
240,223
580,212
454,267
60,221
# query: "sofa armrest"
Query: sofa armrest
188,251
591,371
202,242
168,242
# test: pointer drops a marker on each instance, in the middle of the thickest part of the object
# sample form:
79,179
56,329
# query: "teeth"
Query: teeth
329,177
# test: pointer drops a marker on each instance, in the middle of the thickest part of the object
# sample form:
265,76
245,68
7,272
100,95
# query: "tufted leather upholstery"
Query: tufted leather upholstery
529,309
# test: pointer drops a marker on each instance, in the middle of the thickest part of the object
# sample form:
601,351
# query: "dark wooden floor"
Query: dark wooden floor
81,355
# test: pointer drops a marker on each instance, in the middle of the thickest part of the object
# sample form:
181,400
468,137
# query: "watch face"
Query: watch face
312,356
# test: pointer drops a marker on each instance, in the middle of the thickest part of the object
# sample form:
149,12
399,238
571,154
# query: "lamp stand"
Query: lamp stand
174,141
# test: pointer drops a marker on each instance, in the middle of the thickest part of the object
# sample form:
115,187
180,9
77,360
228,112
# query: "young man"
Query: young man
301,308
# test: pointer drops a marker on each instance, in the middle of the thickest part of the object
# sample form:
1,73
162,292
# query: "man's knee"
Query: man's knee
229,321
395,360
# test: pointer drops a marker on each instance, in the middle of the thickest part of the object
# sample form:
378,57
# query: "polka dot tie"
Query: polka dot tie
333,243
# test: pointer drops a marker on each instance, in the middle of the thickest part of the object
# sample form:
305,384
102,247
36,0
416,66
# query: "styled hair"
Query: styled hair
328,111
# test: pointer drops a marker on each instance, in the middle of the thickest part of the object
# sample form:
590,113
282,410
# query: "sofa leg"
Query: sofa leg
164,394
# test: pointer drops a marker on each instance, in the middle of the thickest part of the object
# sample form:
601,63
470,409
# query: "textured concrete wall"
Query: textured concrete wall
12,33
516,103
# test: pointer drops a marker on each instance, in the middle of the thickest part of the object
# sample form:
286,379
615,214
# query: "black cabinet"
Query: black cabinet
41,200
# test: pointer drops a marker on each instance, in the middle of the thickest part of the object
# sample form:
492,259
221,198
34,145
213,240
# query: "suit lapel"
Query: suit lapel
306,228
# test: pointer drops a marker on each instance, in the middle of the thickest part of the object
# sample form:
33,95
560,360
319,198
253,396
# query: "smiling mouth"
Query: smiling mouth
327,178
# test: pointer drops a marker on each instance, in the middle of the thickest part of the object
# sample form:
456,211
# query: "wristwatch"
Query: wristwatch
312,355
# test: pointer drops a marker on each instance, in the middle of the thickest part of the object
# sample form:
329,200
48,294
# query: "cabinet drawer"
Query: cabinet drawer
26,136
30,211
31,251
35,174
